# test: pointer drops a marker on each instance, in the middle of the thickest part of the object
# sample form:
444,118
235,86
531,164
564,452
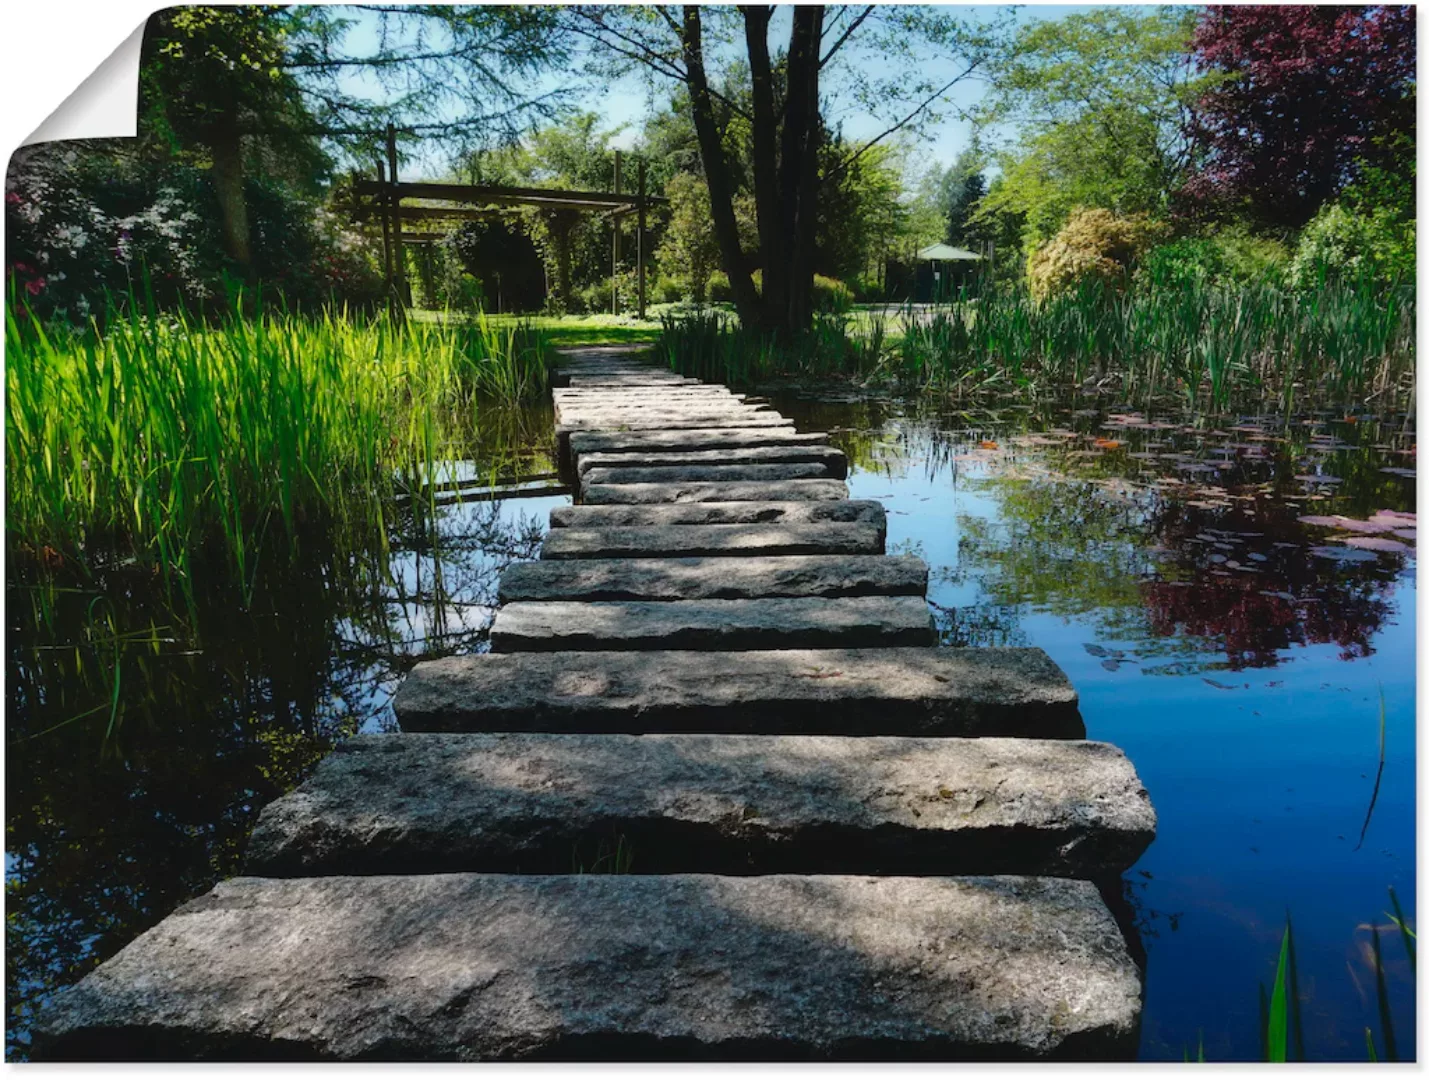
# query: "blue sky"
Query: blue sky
627,101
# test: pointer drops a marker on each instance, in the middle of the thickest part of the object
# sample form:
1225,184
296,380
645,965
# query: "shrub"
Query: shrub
670,290
1093,245
1339,244
831,295
1181,263
1248,258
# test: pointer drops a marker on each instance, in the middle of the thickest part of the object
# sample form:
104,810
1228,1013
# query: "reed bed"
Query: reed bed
1200,340
156,437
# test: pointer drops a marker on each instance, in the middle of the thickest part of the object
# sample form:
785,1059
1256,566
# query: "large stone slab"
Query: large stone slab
665,405
684,474
677,392
614,420
834,462
465,967
718,513
726,491
899,691
784,623
650,379
817,538
729,804
744,578
592,442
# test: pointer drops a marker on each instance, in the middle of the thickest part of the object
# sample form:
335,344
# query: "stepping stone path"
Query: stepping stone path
714,793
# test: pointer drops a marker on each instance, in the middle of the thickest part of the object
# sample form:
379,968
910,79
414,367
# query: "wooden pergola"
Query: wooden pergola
383,198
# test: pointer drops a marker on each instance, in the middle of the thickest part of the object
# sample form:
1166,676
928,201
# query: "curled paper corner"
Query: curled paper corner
105,105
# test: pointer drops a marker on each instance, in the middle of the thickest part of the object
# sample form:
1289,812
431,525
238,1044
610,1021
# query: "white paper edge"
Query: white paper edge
105,105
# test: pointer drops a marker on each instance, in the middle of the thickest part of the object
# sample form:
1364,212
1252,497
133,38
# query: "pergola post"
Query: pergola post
615,248
640,239
384,211
399,257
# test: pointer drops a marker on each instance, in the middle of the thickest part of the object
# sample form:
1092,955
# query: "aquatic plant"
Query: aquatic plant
144,440
1201,340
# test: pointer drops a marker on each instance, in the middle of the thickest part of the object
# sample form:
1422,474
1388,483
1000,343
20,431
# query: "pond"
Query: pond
1233,599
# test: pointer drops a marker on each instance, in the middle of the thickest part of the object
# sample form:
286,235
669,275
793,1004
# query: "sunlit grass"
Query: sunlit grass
156,435
1203,342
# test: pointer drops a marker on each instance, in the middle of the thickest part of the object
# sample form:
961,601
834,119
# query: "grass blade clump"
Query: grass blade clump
156,436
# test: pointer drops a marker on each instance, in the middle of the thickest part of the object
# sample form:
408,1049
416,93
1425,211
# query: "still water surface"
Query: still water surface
1240,654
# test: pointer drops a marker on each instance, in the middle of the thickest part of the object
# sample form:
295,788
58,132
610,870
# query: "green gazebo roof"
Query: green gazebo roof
947,253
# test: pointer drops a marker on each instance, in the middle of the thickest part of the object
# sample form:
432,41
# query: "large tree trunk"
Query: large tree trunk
799,166
774,298
226,147
717,176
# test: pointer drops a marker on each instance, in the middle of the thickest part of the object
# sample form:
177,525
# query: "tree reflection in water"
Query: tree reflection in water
144,738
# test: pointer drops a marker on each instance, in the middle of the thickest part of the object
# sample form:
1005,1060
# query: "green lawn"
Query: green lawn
577,329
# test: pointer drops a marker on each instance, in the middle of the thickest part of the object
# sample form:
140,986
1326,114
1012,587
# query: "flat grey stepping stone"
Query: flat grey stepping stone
729,804
834,461
746,491
667,422
590,442
719,513
744,578
616,415
683,474
815,538
685,390
463,967
969,692
795,623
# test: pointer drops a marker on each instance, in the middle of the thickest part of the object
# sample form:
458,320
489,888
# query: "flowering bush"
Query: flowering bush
86,228
1093,244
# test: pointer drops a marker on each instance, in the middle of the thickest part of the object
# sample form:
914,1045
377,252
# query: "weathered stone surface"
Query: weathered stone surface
834,462
730,804
744,578
899,691
748,491
650,379
817,538
620,395
716,513
566,411
684,474
625,421
784,623
593,442
613,967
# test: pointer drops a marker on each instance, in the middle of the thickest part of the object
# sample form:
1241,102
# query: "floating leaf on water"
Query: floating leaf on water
1111,665
1343,554
1319,479
1319,519
1395,470
1373,543
1405,534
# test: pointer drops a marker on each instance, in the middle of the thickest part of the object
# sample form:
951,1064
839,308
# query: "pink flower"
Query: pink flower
34,285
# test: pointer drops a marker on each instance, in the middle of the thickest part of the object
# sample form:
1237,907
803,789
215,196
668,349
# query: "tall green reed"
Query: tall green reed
1197,339
157,435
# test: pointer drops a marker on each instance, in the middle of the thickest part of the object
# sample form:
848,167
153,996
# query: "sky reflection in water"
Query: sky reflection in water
1168,572
1234,651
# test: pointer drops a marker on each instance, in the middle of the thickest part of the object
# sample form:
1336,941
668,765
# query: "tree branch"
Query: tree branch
848,32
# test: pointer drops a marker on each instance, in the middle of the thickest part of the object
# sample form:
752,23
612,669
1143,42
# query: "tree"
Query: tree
1305,98
966,186
209,75
786,92
689,250
213,77
1098,104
